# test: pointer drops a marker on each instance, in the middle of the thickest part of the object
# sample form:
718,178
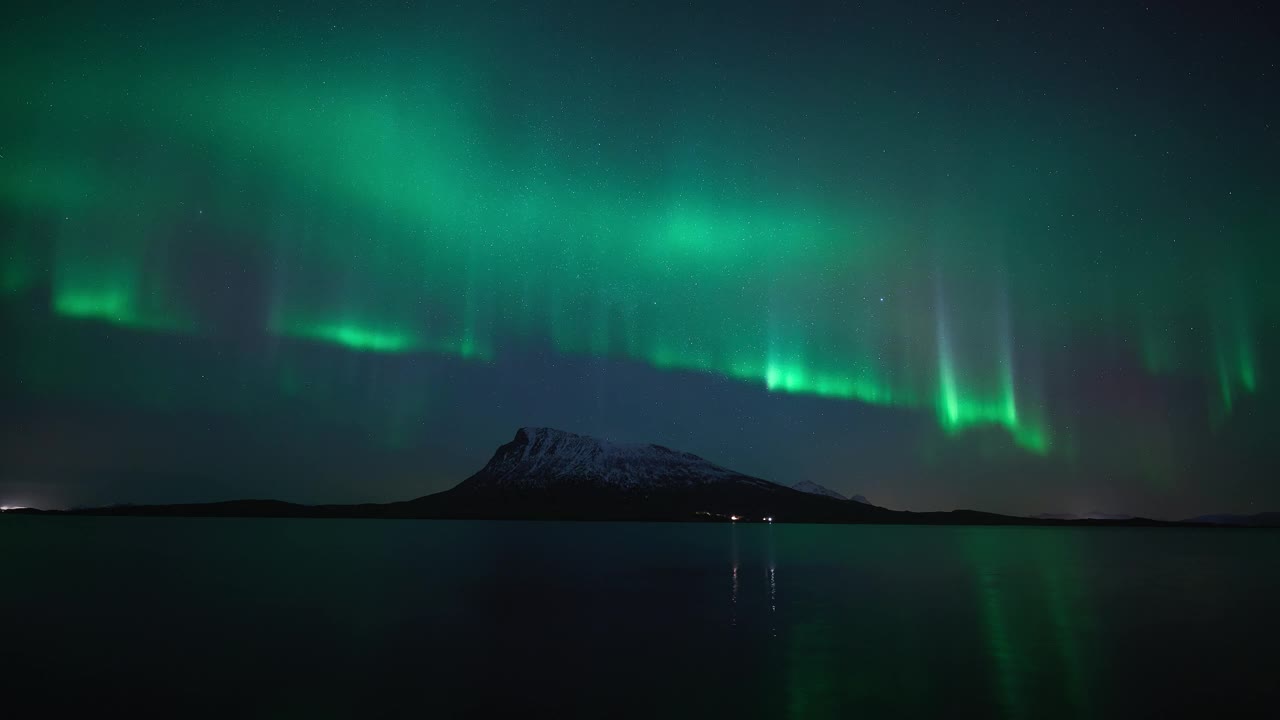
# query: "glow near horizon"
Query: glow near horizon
400,220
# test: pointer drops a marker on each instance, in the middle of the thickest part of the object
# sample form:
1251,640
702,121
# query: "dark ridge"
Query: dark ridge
548,474
1264,519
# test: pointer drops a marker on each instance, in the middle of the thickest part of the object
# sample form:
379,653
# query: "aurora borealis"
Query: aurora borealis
993,256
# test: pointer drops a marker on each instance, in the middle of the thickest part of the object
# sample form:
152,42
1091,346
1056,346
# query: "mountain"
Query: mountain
1265,519
814,488
549,474
540,458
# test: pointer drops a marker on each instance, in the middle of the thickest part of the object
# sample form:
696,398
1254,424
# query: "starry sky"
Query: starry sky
996,255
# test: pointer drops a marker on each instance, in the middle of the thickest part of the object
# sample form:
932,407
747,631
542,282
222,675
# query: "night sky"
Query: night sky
996,255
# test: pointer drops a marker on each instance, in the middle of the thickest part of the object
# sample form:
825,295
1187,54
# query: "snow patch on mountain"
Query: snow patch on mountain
540,457
813,488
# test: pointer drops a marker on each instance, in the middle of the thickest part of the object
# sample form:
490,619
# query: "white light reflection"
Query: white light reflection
773,600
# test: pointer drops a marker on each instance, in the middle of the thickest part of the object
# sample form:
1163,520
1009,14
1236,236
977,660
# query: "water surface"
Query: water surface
340,618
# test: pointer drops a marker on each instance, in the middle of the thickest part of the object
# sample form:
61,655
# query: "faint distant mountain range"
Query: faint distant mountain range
1264,519
1082,516
814,488
549,474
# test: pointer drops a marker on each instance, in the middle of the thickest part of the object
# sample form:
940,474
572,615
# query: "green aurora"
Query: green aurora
463,182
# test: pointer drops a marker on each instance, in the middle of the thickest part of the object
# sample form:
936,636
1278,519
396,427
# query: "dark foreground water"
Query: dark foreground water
353,618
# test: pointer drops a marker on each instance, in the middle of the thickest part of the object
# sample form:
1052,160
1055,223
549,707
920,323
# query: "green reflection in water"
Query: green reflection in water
1027,588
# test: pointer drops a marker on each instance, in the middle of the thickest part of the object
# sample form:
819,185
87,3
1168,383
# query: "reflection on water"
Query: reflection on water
1006,622
1034,627
332,618
733,585
773,599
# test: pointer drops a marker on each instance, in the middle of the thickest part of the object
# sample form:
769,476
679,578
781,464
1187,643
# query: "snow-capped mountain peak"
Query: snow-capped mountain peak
541,457
813,488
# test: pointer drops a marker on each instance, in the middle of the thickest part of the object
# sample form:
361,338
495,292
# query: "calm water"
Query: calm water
338,618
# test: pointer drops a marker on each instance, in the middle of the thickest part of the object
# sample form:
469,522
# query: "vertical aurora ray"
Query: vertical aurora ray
319,301
969,402
1232,350
108,271
419,187
948,392
474,342
1234,364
